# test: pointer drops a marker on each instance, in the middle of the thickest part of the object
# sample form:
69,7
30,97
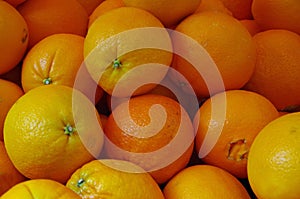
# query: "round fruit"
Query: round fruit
152,131
51,131
204,181
228,43
273,161
47,17
277,14
277,68
40,188
118,179
118,55
13,37
226,125
51,61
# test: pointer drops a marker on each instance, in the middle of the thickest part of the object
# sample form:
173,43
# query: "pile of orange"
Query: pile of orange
143,99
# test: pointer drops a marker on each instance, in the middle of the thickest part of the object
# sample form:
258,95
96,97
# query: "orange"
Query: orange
109,178
251,26
212,5
277,14
103,7
51,61
9,175
47,137
9,94
227,42
47,17
226,125
277,68
127,55
152,131
204,181
273,161
15,3
240,9
13,37
169,12
40,188
90,5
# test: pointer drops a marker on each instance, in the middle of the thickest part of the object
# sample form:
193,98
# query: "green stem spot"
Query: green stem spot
69,129
80,182
116,63
47,81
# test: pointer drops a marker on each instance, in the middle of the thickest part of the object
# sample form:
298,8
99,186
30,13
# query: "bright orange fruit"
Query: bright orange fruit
273,161
226,125
13,37
51,131
115,179
152,131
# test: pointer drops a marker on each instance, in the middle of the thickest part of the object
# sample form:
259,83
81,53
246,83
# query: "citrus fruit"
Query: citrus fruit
152,131
251,26
9,175
273,161
104,7
169,12
227,42
212,5
9,94
51,61
109,178
46,17
239,9
40,188
13,37
51,131
224,138
204,181
277,14
277,68
129,53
